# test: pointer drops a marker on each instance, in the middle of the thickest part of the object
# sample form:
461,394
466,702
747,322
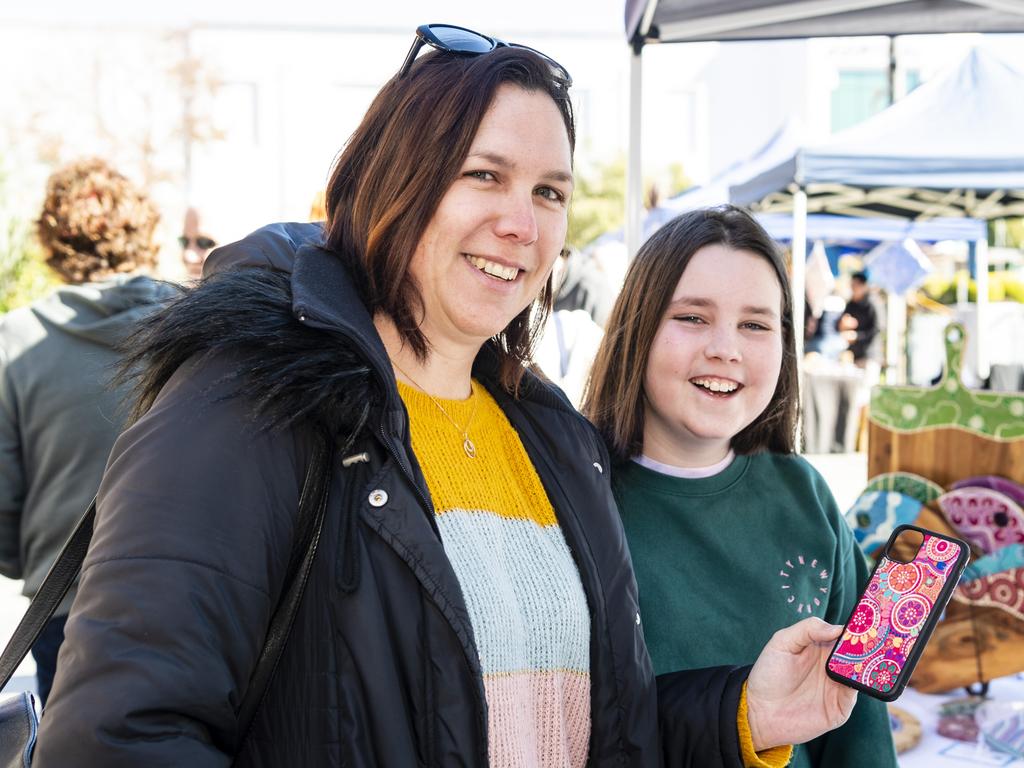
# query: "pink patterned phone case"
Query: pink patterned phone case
895,615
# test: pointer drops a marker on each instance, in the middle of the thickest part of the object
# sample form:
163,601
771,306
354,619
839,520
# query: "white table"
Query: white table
935,751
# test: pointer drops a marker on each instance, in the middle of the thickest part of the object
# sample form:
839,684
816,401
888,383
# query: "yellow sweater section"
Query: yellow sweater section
773,757
501,479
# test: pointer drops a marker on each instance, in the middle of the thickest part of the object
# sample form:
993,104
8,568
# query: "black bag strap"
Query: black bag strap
312,505
309,523
58,581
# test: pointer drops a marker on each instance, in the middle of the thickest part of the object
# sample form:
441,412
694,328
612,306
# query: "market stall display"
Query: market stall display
951,435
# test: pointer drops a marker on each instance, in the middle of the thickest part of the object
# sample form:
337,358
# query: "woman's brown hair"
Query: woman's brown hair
615,396
392,174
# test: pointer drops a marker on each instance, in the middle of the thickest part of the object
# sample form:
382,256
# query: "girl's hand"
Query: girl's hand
790,699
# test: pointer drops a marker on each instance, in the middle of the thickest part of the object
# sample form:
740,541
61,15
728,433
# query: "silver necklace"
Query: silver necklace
467,444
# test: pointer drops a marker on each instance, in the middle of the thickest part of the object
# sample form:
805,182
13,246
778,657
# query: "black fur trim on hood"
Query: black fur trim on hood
291,374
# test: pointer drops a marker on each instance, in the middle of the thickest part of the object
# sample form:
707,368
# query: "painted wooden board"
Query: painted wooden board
947,432
988,519
907,483
1003,590
1014,490
942,455
996,415
876,514
949,659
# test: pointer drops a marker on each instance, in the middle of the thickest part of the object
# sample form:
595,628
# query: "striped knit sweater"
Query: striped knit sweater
523,592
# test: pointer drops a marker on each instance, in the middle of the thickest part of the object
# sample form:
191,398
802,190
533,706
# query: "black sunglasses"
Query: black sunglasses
452,39
202,242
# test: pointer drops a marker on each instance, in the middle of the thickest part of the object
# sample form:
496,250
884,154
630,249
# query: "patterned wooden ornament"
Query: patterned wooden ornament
1014,490
986,518
1003,590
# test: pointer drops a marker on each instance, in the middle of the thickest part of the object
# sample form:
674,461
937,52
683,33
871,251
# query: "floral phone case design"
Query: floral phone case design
895,615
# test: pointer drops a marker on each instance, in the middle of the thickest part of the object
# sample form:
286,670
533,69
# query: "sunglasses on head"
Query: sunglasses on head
452,39
202,242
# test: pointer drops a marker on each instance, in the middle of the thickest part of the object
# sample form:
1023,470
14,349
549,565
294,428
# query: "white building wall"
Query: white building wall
274,105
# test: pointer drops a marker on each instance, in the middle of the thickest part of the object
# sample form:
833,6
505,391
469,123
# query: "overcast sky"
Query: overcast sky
538,17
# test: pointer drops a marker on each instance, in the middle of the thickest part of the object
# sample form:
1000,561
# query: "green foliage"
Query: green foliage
1015,233
24,276
1008,233
29,280
598,203
678,181
1002,286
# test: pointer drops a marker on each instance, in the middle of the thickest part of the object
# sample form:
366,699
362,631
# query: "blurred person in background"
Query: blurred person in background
195,243
58,418
583,284
570,340
858,324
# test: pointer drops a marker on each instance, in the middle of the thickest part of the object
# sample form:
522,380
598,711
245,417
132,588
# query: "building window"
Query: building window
859,95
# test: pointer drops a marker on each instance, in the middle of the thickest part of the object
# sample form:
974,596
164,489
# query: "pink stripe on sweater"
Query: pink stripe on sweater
538,719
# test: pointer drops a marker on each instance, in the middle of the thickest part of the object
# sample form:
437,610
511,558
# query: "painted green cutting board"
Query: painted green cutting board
946,432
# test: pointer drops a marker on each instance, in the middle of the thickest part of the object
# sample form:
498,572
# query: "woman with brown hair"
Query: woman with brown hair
472,600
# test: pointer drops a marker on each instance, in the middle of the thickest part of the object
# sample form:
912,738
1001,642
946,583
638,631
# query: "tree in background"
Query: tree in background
599,201
23,274
141,99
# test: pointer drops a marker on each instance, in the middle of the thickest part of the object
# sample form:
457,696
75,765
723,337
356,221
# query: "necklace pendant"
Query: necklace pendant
469,448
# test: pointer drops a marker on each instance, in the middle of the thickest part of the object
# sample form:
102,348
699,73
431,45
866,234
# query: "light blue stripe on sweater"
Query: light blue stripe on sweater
522,589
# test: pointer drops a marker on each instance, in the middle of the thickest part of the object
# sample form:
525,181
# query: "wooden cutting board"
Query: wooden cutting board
947,433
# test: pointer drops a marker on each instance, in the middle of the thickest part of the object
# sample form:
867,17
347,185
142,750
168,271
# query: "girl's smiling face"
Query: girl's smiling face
715,361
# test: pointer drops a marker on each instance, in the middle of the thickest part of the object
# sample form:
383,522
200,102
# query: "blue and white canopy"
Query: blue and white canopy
953,147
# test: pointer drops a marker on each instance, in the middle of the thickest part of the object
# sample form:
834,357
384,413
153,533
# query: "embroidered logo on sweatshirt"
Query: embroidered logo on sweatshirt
805,584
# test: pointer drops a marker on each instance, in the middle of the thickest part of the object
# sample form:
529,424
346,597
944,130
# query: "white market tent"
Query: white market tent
649,21
780,148
675,21
952,148
770,168
678,21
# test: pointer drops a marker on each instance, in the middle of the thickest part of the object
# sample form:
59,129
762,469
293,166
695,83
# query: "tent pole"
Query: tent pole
799,269
798,282
895,335
634,165
981,363
962,278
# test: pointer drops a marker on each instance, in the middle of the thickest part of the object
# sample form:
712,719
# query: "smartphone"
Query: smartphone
896,613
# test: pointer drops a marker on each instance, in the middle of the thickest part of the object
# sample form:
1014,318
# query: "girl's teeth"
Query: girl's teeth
716,386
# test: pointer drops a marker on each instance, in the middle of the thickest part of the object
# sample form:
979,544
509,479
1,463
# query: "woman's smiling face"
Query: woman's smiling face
488,250
716,358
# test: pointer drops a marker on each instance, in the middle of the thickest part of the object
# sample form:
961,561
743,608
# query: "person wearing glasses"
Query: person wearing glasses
472,601
195,244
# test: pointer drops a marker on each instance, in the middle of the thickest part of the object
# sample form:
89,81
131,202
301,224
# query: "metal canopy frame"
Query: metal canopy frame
898,202
676,21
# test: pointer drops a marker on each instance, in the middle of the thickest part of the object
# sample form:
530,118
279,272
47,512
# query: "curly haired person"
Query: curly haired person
58,417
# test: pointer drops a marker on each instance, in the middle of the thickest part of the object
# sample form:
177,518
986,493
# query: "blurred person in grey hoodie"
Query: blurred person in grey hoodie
59,416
